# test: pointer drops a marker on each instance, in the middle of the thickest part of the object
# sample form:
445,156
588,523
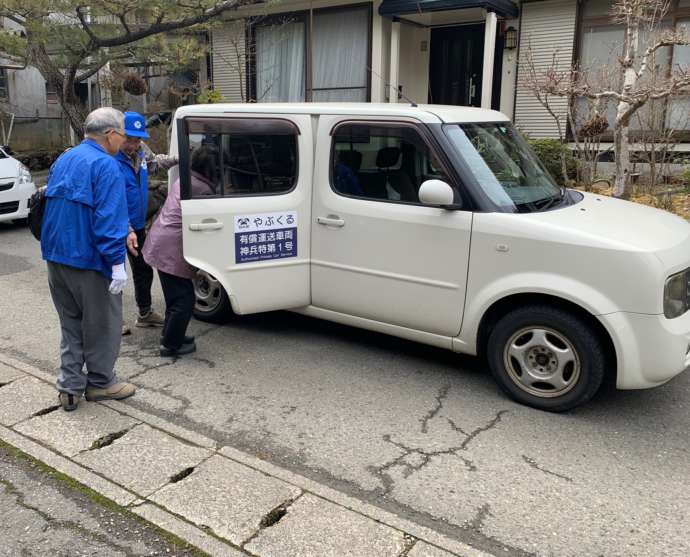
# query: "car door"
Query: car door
377,252
252,233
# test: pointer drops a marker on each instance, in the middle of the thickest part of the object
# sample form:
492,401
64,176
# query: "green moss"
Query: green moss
101,500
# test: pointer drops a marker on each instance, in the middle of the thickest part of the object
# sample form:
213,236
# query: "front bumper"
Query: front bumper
650,349
14,202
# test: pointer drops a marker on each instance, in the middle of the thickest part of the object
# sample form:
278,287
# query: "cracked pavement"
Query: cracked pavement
40,516
417,431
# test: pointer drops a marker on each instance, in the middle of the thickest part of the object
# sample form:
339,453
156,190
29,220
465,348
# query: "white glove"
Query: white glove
117,285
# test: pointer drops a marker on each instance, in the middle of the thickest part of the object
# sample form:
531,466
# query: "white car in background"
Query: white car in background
16,187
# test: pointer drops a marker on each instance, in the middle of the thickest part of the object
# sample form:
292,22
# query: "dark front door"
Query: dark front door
455,67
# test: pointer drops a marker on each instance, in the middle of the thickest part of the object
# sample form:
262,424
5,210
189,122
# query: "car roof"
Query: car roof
428,113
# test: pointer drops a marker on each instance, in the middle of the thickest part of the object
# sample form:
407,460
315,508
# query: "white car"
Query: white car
16,187
439,225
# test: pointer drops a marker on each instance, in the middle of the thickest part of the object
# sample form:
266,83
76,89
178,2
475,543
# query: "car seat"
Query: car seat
398,180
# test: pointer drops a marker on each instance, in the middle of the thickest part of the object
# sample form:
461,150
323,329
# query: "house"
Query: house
32,120
28,108
462,52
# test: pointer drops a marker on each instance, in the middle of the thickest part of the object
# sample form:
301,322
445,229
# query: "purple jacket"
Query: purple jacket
163,246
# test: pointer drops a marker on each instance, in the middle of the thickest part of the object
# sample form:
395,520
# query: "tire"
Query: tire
212,302
21,222
564,356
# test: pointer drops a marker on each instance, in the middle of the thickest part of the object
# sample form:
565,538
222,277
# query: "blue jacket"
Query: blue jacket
85,219
137,186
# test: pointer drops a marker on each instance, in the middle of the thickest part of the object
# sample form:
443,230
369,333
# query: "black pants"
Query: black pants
142,274
179,306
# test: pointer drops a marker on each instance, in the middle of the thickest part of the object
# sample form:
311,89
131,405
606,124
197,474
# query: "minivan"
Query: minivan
436,224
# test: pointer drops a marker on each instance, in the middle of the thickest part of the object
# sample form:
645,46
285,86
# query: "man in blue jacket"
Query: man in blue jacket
83,241
135,165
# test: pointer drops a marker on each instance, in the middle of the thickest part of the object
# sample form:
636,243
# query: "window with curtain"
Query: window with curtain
340,59
281,62
334,44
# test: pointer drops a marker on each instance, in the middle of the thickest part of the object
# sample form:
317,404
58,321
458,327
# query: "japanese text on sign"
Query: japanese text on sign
265,236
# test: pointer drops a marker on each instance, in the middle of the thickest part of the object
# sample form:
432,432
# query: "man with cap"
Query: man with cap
136,161
83,241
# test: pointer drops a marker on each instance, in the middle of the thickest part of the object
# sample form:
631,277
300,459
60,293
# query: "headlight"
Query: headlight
24,175
676,295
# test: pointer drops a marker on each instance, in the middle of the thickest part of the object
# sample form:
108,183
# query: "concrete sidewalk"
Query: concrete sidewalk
219,499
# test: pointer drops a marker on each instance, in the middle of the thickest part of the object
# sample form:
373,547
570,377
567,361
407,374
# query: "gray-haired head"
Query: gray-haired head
102,120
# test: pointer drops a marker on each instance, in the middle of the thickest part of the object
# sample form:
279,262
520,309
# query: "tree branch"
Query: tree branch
85,25
160,27
123,20
666,41
93,70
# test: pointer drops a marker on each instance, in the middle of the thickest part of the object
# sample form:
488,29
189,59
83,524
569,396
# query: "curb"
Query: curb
186,530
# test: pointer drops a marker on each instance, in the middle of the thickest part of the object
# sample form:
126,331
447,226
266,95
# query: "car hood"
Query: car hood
600,242
620,224
9,168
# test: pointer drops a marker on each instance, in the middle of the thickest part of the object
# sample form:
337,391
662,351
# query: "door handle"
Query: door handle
197,226
331,221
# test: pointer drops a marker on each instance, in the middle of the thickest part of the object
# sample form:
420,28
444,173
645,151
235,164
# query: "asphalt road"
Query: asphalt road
41,516
418,431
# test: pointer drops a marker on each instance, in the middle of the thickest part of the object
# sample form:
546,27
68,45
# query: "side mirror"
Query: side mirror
436,192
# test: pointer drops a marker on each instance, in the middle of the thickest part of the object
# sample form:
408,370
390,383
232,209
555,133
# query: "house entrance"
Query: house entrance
456,64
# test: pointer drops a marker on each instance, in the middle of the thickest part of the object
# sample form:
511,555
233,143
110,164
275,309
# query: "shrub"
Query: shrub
210,96
549,152
685,176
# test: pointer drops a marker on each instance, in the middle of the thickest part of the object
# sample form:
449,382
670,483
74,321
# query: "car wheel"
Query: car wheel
212,302
21,222
546,358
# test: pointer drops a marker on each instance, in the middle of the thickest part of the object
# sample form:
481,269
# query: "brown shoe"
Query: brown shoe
118,391
151,319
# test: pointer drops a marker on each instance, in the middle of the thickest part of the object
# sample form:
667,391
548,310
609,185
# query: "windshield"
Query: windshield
505,166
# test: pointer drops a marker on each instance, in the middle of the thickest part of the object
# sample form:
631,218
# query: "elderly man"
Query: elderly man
135,165
83,241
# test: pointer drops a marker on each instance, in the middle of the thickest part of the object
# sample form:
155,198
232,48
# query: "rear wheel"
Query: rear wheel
546,358
212,302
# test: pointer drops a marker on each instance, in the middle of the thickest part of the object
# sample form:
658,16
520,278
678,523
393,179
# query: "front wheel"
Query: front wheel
212,302
546,358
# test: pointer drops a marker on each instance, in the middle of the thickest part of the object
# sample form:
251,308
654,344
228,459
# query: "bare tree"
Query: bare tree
549,87
635,80
545,87
658,139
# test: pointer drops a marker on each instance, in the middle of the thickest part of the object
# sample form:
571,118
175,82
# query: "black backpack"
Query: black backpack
37,206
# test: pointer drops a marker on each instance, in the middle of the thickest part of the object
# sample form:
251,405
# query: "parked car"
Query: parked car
16,187
439,225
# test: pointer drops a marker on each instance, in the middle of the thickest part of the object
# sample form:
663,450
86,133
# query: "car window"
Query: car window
387,162
241,156
504,164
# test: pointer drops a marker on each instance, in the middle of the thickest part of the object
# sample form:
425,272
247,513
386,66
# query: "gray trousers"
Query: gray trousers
91,325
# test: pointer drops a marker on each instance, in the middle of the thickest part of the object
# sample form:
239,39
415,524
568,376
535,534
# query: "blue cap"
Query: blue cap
135,125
